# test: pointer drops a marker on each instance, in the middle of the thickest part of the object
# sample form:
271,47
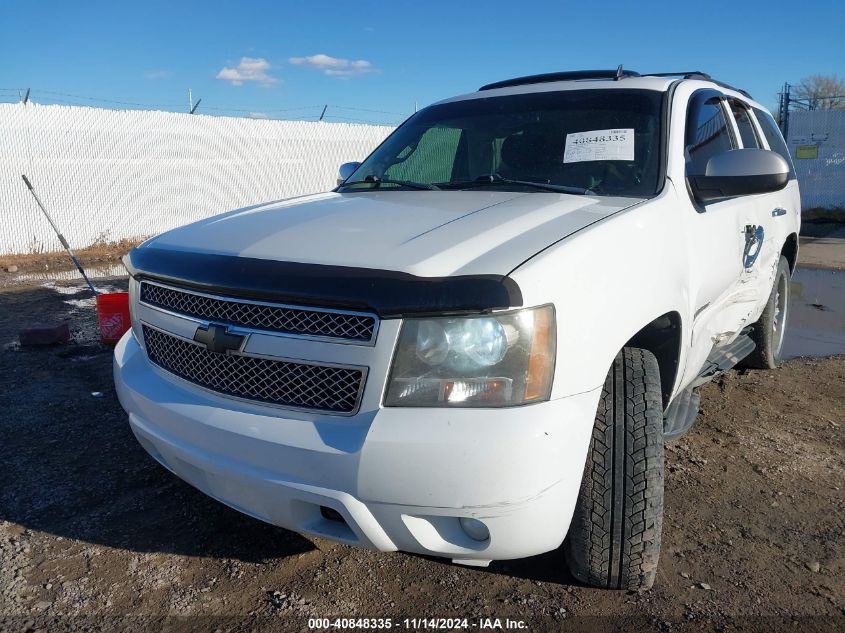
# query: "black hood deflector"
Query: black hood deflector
390,294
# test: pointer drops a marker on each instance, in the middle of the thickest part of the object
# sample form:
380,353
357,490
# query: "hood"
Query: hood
423,233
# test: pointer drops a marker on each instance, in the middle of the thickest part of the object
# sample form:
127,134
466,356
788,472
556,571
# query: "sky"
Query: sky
377,61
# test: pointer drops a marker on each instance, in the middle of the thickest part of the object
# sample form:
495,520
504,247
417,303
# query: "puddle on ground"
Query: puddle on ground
816,320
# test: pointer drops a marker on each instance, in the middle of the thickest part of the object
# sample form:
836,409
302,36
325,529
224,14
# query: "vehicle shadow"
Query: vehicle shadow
549,567
71,466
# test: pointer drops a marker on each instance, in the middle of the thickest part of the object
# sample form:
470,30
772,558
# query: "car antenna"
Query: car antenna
618,73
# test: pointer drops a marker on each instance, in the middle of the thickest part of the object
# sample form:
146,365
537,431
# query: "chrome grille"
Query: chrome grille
262,316
306,386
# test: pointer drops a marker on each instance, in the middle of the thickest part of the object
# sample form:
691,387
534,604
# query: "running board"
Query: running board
683,410
681,414
723,358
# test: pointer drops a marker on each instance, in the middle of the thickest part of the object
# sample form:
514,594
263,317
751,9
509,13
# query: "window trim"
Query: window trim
754,129
793,175
696,100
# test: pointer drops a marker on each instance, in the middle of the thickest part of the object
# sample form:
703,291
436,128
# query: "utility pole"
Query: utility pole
783,110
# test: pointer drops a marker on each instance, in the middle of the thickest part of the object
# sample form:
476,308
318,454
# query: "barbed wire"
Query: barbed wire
51,97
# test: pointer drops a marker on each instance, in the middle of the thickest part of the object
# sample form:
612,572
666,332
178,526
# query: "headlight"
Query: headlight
497,360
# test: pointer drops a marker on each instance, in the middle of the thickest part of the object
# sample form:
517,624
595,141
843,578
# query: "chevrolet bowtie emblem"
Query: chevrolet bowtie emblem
218,339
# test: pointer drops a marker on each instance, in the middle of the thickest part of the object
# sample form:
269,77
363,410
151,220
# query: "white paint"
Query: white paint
374,468
403,477
426,233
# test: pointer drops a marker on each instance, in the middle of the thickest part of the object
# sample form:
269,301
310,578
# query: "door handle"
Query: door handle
753,238
778,211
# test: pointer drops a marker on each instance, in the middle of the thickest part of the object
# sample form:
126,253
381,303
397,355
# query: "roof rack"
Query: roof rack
619,73
574,75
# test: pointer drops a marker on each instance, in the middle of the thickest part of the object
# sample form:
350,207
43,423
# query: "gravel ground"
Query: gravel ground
95,535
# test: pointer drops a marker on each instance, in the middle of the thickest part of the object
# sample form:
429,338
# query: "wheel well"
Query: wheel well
662,337
790,251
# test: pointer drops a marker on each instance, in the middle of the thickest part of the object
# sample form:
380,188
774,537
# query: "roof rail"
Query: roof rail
574,75
686,74
697,74
619,73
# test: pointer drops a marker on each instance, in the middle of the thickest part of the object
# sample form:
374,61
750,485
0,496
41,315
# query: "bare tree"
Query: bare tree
821,92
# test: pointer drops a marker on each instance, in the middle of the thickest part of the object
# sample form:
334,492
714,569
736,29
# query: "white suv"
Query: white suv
478,343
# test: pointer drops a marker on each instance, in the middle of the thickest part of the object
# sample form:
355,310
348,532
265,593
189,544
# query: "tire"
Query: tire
614,539
768,332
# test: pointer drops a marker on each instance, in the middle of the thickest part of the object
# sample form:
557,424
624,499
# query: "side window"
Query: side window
746,127
774,137
432,160
707,133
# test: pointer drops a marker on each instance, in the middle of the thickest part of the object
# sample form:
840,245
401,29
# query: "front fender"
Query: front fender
607,282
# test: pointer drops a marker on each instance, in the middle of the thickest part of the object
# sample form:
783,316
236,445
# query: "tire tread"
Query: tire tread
614,540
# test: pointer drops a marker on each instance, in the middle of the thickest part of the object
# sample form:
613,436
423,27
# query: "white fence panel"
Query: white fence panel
817,145
107,175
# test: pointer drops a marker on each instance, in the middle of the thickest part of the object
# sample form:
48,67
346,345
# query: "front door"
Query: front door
716,236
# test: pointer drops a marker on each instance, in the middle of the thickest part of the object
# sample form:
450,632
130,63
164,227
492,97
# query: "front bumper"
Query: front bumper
400,478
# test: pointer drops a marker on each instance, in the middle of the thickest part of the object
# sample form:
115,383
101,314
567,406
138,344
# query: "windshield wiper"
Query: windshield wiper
496,179
376,180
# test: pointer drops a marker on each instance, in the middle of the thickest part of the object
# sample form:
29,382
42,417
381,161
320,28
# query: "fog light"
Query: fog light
475,529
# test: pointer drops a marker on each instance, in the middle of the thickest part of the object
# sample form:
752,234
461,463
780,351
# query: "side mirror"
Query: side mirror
345,171
740,172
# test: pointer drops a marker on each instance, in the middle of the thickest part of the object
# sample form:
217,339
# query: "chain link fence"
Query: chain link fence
817,145
107,175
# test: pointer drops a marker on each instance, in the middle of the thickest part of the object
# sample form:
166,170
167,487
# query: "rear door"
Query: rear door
781,210
763,237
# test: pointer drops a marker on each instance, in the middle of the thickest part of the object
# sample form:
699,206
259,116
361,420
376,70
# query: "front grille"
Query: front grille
318,387
262,316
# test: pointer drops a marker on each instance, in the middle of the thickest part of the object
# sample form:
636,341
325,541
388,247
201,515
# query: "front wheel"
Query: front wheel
614,540
769,330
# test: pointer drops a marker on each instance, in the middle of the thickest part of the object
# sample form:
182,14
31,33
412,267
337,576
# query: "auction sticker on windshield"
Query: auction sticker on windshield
599,145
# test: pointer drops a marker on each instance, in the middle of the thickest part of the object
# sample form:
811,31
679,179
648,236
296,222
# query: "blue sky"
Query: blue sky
373,61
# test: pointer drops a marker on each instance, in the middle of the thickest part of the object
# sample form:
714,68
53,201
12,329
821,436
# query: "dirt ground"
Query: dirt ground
90,256
823,245
96,535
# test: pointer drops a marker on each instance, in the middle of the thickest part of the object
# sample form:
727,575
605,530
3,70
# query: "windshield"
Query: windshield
603,142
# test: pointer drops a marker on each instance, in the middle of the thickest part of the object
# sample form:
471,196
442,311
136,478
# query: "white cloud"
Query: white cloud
249,69
157,74
334,66
258,115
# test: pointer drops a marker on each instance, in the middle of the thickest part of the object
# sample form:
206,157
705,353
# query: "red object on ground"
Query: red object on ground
113,316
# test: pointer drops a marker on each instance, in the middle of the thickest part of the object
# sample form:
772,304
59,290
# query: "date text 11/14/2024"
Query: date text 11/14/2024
415,624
